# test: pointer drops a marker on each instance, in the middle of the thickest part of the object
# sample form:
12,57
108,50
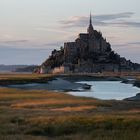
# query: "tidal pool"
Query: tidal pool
105,90
108,90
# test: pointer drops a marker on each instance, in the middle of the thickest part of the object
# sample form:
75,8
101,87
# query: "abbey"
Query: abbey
86,43
90,52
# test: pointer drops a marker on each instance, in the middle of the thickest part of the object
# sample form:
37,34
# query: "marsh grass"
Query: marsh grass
11,79
45,115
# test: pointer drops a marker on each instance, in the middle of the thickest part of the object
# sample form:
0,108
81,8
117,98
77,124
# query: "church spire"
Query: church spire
90,19
90,29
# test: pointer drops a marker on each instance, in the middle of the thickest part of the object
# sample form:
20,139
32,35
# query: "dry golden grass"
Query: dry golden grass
11,76
44,102
41,115
27,113
23,76
70,109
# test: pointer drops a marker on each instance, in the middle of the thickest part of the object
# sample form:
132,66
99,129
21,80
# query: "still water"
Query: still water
108,90
99,89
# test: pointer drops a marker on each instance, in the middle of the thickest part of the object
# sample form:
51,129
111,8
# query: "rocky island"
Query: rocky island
89,53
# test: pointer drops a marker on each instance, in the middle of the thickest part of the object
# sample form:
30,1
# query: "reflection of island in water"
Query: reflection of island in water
89,53
99,89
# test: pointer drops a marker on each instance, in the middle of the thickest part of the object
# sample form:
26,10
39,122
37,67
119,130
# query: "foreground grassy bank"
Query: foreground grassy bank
9,79
41,115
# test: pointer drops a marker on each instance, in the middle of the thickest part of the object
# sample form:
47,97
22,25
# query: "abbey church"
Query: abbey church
89,53
87,43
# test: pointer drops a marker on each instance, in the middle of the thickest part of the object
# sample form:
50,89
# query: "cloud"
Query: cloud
134,43
113,16
127,24
12,55
50,29
118,19
54,44
130,47
15,41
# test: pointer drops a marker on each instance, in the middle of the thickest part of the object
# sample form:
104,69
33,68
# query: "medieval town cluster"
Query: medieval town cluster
89,53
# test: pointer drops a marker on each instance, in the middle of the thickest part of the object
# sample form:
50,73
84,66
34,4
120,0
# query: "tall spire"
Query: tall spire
90,29
90,19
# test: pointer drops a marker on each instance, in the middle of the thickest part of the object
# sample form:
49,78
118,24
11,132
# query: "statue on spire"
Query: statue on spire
90,29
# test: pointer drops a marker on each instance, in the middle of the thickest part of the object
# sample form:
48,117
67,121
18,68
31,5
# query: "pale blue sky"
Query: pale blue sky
30,29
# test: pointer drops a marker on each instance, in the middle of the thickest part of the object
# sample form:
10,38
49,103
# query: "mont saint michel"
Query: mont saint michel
89,53
66,74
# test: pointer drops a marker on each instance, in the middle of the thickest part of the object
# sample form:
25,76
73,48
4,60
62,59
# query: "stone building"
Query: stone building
90,42
90,52
86,44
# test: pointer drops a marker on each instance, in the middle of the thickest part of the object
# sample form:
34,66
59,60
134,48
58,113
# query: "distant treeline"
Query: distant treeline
17,68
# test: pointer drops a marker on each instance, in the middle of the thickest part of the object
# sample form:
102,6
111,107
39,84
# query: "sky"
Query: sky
31,29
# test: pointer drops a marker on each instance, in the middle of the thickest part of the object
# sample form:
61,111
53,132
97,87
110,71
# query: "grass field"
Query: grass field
46,115
7,79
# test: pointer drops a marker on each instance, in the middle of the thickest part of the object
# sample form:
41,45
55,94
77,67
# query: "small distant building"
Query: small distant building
44,69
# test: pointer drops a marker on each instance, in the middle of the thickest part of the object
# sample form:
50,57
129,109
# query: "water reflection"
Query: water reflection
108,90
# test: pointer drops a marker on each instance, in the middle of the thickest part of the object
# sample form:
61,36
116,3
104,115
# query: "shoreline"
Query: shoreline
56,84
66,82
